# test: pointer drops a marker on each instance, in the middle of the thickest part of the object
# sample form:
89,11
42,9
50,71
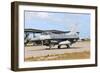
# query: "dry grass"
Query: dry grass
65,56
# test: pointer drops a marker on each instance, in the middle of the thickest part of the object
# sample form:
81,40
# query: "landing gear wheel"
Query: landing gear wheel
59,46
67,46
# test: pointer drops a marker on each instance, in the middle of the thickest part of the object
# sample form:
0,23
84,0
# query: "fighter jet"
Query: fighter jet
51,37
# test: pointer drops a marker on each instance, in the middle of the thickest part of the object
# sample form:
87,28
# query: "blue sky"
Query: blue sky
59,21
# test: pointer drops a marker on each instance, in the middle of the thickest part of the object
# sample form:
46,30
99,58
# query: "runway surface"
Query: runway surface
36,51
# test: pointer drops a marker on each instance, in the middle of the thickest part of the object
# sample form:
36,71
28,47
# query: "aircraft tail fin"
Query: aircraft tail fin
74,29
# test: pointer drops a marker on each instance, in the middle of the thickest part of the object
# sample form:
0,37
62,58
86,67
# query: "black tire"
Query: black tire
59,46
67,46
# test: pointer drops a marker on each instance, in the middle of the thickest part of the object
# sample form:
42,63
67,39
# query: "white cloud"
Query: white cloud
48,17
29,15
42,15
